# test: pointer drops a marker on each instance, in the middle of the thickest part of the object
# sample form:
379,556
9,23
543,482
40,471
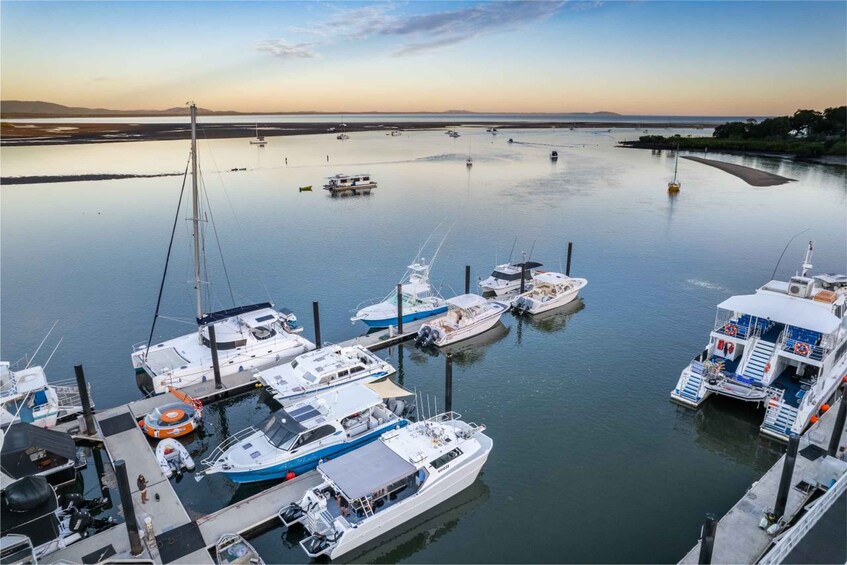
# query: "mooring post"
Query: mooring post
835,439
90,427
568,264
128,508
399,309
448,383
467,279
216,367
316,314
787,474
523,276
707,539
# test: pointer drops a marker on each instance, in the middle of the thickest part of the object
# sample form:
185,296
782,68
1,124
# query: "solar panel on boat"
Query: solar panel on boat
304,413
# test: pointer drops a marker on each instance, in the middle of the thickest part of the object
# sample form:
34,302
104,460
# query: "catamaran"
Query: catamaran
248,338
784,346
468,315
315,428
322,369
550,290
378,487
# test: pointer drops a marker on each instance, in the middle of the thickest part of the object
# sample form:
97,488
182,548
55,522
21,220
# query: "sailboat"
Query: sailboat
260,139
469,162
247,338
674,185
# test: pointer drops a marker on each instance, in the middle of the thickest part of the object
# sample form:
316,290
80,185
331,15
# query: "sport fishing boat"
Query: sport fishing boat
506,278
378,487
468,315
322,369
550,290
784,346
296,438
248,338
26,396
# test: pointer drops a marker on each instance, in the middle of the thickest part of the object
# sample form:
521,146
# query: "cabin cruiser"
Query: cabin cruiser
26,396
322,369
506,278
296,438
549,290
378,487
248,338
784,346
355,184
467,315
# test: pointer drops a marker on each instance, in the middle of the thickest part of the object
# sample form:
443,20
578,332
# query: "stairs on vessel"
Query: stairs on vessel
759,357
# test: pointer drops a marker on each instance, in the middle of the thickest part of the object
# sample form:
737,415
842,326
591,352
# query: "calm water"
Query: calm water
591,461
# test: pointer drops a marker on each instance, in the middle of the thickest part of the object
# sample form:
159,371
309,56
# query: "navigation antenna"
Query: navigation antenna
786,249
513,249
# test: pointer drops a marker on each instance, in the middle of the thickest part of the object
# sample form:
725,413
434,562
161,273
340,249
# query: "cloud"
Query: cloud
285,50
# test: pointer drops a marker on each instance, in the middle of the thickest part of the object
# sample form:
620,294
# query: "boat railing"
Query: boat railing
67,393
226,444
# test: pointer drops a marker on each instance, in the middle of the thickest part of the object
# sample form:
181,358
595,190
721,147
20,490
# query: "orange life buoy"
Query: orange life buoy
801,348
730,329
173,415
730,347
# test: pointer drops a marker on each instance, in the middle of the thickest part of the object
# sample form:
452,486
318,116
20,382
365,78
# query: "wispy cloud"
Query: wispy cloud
285,50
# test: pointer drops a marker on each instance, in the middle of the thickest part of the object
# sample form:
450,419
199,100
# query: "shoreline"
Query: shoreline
38,134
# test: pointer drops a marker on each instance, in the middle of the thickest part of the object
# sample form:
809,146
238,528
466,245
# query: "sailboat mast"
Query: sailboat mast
195,220
676,163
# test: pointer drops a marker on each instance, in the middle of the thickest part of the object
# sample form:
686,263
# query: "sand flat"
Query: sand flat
753,177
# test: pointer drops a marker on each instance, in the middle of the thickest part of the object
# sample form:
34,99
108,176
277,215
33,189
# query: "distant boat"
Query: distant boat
233,549
453,134
342,136
554,156
395,133
306,188
350,184
260,139
675,185
469,162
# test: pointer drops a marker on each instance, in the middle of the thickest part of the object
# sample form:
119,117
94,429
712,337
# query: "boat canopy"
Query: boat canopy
551,278
529,265
366,470
22,441
790,310
213,317
387,389
465,301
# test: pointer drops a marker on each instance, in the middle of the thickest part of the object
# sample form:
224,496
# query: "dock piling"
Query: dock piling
838,430
467,279
216,367
448,383
90,427
128,509
568,264
707,539
316,314
399,309
523,277
787,474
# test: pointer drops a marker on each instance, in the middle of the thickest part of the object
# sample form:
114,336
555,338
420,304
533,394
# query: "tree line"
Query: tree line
809,125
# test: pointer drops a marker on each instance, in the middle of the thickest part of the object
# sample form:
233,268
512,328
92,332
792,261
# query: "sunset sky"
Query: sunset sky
683,58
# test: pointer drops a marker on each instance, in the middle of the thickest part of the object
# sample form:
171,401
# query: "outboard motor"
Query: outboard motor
423,335
292,514
434,336
71,499
316,544
80,521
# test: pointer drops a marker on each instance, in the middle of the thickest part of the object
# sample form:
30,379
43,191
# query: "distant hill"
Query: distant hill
34,109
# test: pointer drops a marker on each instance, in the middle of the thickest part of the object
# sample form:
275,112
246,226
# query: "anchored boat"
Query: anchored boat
549,291
468,315
350,184
378,487
784,346
506,278
675,185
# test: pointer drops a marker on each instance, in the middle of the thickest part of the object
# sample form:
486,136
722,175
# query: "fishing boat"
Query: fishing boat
350,184
675,185
785,347
259,140
174,419
554,156
26,396
173,457
550,290
248,338
468,315
232,549
294,439
329,367
373,490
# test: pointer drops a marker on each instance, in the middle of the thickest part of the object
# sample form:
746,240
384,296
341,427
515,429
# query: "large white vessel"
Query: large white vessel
26,396
468,315
549,291
784,346
323,369
248,338
378,487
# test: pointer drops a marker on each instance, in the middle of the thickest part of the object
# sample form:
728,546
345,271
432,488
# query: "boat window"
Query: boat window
508,276
366,178
309,377
343,373
356,369
446,458
281,430
294,364
315,435
225,345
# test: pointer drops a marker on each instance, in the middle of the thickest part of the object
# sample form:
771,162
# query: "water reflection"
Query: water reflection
556,319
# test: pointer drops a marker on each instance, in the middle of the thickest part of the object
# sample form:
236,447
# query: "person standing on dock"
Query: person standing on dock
142,486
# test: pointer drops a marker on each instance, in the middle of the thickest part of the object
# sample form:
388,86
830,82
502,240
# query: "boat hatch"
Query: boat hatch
163,360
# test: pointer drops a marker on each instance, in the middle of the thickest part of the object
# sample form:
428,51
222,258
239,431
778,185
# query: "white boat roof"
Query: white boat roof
259,318
465,301
387,389
791,310
366,470
325,360
551,278
340,176
336,403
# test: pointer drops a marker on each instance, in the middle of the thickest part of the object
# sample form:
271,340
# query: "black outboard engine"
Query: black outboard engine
80,521
423,335
316,544
434,335
71,500
291,514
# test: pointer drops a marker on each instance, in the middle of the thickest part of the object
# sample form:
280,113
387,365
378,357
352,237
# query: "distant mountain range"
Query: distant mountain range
38,109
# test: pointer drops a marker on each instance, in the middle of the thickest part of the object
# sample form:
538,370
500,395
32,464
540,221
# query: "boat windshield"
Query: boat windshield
507,276
281,429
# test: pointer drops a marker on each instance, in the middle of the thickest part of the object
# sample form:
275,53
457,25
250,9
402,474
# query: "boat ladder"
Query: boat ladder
779,417
367,508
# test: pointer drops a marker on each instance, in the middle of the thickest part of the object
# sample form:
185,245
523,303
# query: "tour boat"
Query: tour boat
378,487
468,315
26,396
785,346
248,338
675,185
315,428
232,549
322,369
550,290
173,457
350,184
506,278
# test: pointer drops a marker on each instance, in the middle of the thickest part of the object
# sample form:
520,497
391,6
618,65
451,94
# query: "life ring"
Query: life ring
730,347
173,416
801,348
730,329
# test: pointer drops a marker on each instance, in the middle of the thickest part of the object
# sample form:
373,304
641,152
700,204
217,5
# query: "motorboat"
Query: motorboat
26,396
305,188
453,134
248,338
342,136
322,369
550,290
492,131
376,488
469,162
554,156
468,315
232,549
174,419
294,439
350,184
784,347
395,133
506,278
173,457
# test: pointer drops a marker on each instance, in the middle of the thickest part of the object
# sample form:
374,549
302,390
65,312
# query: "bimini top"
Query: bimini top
366,470
465,301
20,440
794,311
552,278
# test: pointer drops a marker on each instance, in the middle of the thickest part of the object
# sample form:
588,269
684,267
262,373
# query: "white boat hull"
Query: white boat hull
539,306
479,326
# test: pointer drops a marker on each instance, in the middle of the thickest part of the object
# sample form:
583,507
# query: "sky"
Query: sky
631,57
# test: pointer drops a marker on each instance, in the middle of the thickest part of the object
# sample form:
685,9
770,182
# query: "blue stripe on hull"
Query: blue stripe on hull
385,322
309,461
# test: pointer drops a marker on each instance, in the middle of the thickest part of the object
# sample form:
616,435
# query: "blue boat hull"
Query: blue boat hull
385,322
308,461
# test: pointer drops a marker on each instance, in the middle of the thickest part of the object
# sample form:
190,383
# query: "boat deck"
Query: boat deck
794,388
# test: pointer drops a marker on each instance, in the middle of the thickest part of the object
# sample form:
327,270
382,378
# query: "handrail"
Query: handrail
213,457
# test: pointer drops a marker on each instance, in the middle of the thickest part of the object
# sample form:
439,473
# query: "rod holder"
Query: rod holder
216,366
838,430
90,426
316,315
399,309
707,540
128,507
787,474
